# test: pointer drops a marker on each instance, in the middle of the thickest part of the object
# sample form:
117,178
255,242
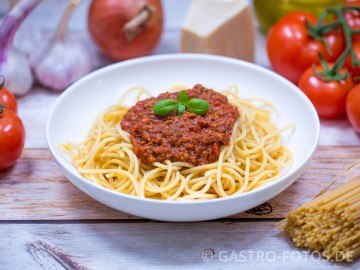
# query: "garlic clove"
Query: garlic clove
14,65
16,68
61,62
27,39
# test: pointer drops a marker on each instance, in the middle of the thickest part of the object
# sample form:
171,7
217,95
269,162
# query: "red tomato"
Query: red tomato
8,100
12,138
353,108
328,97
291,50
353,19
355,71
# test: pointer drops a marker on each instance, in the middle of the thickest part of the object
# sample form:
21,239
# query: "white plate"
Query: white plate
76,109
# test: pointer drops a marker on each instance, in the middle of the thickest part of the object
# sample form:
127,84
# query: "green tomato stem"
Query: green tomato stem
332,74
315,32
2,83
348,35
327,28
320,20
350,8
340,62
322,29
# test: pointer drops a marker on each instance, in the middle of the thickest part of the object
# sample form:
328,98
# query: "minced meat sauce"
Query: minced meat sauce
188,138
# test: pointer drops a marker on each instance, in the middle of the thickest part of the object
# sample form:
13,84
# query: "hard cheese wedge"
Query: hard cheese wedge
223,27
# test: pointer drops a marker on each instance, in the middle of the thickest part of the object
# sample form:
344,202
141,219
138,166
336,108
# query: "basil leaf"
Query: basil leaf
183,97
165,107
198,106
180,109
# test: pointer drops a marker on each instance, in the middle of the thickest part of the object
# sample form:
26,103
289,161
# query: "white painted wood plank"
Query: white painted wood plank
239,245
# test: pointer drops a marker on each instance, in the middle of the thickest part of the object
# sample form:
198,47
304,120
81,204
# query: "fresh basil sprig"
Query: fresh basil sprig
195,105
165,107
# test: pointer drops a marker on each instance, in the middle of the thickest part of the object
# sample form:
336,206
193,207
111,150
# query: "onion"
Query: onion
125,29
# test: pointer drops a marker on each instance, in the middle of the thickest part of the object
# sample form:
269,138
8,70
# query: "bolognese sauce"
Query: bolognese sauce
191,138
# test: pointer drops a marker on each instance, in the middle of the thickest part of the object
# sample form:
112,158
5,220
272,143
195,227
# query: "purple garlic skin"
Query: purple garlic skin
59,63
14,65
28,39
61,60
17,71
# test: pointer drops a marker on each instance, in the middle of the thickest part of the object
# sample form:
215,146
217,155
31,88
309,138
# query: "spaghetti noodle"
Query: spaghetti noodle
254,157
329,224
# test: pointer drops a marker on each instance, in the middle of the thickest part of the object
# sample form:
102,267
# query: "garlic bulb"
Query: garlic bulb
61,60
63,63
14,65
27,39
17,72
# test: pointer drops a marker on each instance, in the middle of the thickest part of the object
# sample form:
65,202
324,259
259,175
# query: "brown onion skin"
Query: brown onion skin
106,19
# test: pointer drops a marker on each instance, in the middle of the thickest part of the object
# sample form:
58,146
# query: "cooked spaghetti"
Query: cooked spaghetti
254,157
329,224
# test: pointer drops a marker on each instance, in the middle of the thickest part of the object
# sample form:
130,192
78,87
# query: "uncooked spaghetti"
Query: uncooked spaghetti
254,157
330,224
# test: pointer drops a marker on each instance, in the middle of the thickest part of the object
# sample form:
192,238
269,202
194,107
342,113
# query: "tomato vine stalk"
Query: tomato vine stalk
2,82
320,29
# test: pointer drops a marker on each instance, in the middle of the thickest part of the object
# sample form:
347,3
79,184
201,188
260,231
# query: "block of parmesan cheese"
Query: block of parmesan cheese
222,27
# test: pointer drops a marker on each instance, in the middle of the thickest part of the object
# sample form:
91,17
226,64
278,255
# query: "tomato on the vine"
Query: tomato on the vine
352,17
353,108
352,2
12,138
355,71
291,49
353,21
7,99
327,96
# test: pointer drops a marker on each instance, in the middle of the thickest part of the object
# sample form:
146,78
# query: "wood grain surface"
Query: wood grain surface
35,189
154,245
47,223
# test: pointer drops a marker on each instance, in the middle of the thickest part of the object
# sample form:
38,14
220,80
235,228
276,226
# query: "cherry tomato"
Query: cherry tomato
328,97
12,138
353,108
353,19
8,100
291,49
355,71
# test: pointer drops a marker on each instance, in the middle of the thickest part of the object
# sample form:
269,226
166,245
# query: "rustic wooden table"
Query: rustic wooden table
47,223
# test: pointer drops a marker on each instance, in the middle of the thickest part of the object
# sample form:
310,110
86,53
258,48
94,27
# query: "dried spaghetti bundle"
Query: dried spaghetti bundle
330,224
